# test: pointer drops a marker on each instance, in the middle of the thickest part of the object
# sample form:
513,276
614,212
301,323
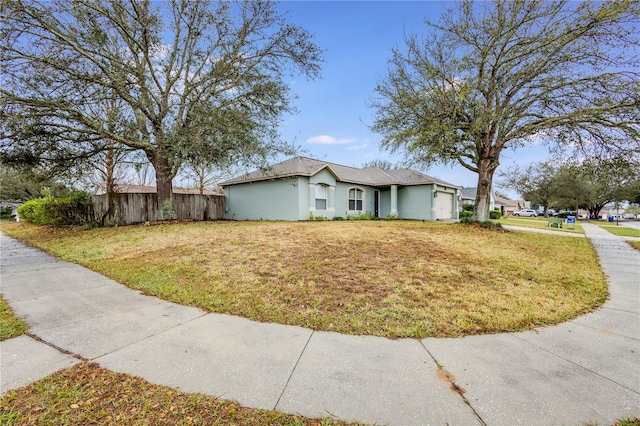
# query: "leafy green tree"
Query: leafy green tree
177,70
493,76
592,184
537,183
22,185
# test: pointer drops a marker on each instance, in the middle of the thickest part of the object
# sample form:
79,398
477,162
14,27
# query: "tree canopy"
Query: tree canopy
497,75
187,77
586,184
537,183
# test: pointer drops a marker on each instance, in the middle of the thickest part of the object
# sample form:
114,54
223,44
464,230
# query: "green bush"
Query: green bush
6,211
467,220
467,207
495,214
466,213
338,218
362,216
489,224
75,209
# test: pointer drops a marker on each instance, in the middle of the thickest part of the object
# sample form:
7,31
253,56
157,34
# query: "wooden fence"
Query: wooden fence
131,208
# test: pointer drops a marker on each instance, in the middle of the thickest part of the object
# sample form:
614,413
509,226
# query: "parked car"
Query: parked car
629,216
550,212
527,212
564,213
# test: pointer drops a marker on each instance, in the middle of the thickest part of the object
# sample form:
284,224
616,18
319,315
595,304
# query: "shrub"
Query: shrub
467,220
318,218
466,213
495,214
6,211
467,207
362,216
489,224
391,216
338,218
75,209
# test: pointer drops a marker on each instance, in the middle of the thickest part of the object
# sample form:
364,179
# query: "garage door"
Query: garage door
444,205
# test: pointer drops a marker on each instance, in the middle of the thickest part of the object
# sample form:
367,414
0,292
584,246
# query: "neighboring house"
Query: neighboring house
300,187
507,207
468,196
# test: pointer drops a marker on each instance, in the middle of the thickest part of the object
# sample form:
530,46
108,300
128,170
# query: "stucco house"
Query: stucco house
300,187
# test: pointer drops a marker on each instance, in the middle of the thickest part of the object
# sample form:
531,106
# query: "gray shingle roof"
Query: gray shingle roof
373,176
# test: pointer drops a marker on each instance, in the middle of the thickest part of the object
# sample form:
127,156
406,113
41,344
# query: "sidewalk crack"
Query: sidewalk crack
56,347
293,370
450,378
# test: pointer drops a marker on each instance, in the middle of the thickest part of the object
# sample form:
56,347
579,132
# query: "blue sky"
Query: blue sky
357,36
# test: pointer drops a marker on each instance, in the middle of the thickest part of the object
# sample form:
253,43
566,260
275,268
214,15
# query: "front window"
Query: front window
321,197
355,199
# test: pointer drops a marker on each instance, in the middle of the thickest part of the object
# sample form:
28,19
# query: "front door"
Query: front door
376,203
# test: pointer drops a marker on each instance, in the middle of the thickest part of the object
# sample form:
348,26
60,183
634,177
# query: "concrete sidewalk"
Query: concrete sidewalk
586,370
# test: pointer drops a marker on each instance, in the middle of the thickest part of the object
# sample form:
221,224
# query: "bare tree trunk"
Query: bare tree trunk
486,169
164,187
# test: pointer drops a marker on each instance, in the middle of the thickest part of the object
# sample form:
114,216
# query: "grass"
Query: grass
621,231
87,394
10,325
634,244
393,279
538,222
629,421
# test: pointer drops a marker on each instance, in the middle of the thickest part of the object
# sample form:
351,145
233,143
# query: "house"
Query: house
301,187
506,206
468,196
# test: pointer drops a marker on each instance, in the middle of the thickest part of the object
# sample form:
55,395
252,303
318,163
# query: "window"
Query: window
321,197
355,199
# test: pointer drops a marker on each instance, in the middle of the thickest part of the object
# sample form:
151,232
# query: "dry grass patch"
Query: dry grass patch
89,395
10,325
394,279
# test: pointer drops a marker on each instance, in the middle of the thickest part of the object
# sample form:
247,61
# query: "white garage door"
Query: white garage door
444,205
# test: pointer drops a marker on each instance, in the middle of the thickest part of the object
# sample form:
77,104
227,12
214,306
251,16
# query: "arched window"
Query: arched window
355,199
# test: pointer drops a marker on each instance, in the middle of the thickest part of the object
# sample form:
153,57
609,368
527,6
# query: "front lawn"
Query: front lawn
394,279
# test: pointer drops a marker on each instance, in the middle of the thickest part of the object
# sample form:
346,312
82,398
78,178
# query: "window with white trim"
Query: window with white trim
321,197
355,199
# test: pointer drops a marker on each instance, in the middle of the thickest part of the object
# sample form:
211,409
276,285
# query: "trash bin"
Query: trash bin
571,221
610,218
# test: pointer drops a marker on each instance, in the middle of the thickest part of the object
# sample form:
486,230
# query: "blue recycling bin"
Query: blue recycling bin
571,219
610,218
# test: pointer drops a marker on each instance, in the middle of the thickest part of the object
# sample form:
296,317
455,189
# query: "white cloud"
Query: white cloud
352,147
329,140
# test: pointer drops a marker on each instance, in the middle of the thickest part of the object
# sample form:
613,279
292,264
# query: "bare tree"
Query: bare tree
172,66
499,75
